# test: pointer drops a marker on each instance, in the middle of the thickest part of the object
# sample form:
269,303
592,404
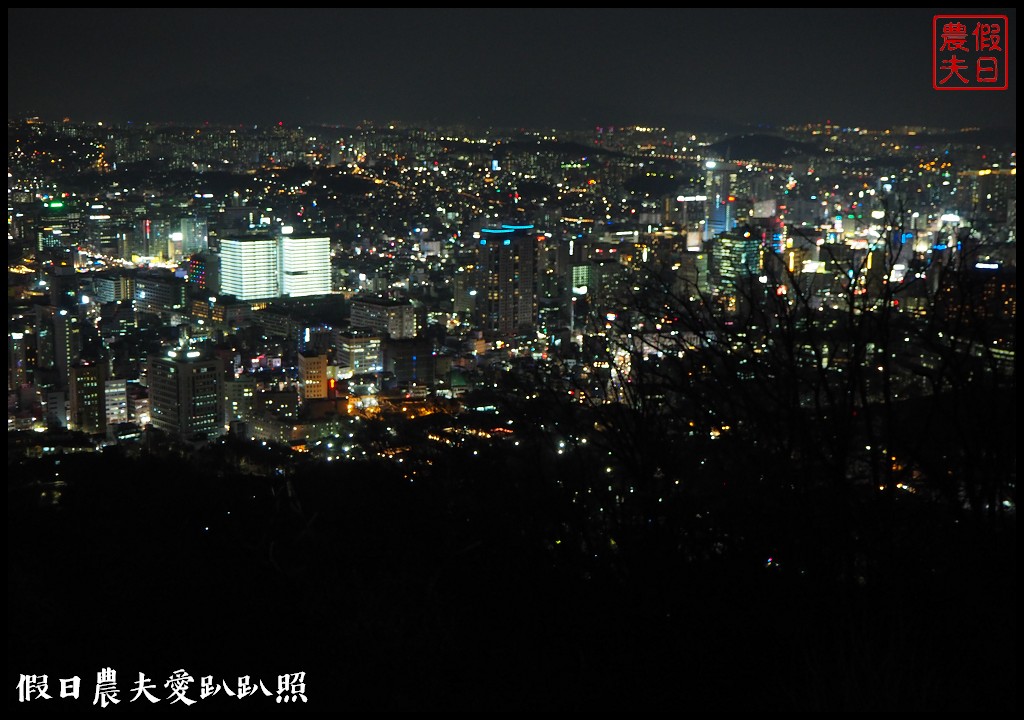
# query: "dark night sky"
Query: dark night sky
530,67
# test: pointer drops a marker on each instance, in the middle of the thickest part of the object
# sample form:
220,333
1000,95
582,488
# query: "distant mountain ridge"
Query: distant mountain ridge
770,148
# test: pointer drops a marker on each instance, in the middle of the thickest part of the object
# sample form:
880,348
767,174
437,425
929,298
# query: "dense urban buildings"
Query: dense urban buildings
318,262
557,358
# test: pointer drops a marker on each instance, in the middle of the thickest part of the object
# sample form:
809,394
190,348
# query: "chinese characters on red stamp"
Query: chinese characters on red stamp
969,52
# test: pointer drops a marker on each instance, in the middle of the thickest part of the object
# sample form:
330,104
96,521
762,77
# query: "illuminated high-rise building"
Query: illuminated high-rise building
506,293
185,396
159,293
151,237
67,342
45,332
115,398
720,204
305,266
239,399
194,235
359,352
464,292
88,410
17,360
312,377
250,268
397,318
735,257
60,225
112,287
584,276
258,268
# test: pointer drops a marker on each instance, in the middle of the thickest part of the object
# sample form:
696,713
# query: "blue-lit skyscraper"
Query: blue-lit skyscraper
720,204
507,298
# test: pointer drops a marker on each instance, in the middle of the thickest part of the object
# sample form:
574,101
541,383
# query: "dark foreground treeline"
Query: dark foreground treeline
479,586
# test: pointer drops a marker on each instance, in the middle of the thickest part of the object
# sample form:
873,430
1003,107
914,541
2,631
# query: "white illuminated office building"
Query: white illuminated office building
250,268
305,266
259,268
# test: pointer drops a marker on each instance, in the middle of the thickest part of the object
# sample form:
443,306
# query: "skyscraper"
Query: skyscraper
507,298
88,411
359,352
250,268
312,377
720,205
305,266
185,393
258,268
194,235
239,398
67,344
17,361
735,257
116,402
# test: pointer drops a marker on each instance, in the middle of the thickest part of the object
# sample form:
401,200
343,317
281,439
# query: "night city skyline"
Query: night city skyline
531,360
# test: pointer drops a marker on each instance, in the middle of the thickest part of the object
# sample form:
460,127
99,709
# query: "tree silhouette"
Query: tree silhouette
784,408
